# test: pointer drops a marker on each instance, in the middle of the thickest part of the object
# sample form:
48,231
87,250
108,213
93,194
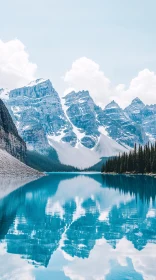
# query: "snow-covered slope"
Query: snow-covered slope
107,147
82,157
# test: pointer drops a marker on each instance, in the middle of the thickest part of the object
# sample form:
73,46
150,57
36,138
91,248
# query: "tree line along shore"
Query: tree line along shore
140,160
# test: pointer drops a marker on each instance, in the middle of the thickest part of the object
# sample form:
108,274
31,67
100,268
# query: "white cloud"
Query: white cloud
125,255
13,266
86,74
142,86
15,67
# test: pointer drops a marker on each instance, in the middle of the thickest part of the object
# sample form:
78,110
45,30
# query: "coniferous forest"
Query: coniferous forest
140,160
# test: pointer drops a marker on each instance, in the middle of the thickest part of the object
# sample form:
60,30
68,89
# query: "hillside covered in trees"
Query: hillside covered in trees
140,160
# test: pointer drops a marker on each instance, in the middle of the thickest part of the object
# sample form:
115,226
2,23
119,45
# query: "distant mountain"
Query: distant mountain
149,121
120,126
71,128
134,110
79,131
145,116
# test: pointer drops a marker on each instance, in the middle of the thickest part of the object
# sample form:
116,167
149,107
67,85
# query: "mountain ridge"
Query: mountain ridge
74,122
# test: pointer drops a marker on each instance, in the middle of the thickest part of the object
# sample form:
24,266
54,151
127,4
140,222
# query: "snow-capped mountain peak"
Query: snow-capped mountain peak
112,105
38,114
137,100
134,109
76,124
144,116
35,90
79,96
36,82
120,126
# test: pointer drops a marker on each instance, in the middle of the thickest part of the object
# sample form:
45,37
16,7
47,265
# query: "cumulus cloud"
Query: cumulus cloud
15,67
125,255
142,86
86,74
18,268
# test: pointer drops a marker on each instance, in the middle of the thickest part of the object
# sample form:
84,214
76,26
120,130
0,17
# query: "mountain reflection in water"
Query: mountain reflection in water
79,226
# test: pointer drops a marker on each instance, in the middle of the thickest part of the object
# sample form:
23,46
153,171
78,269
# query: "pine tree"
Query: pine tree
140,160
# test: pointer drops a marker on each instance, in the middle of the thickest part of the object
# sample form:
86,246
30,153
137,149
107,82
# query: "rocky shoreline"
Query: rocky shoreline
12,167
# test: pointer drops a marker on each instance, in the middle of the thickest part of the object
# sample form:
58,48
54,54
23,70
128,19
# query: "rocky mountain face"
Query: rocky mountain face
75,122
120,126
91,121
134,110
9,137
143,115
81,112
149,121
38,114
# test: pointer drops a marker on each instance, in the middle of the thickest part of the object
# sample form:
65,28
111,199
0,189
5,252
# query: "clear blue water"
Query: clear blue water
79,227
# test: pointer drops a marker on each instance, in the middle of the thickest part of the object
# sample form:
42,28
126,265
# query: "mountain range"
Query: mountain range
73,128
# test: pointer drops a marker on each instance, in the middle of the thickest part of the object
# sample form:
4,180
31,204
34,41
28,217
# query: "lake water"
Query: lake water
79,227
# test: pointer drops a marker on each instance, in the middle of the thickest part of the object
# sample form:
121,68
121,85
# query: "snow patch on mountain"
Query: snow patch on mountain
4,94
79,156
82,157
107,147
103,130
36,82
79,133
112,105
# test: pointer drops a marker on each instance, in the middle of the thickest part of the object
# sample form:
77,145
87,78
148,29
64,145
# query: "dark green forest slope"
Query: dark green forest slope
140,160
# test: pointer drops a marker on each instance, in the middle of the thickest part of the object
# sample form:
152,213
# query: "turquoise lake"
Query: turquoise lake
79,226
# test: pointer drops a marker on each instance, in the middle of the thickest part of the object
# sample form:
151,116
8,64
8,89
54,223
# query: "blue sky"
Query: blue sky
119,35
